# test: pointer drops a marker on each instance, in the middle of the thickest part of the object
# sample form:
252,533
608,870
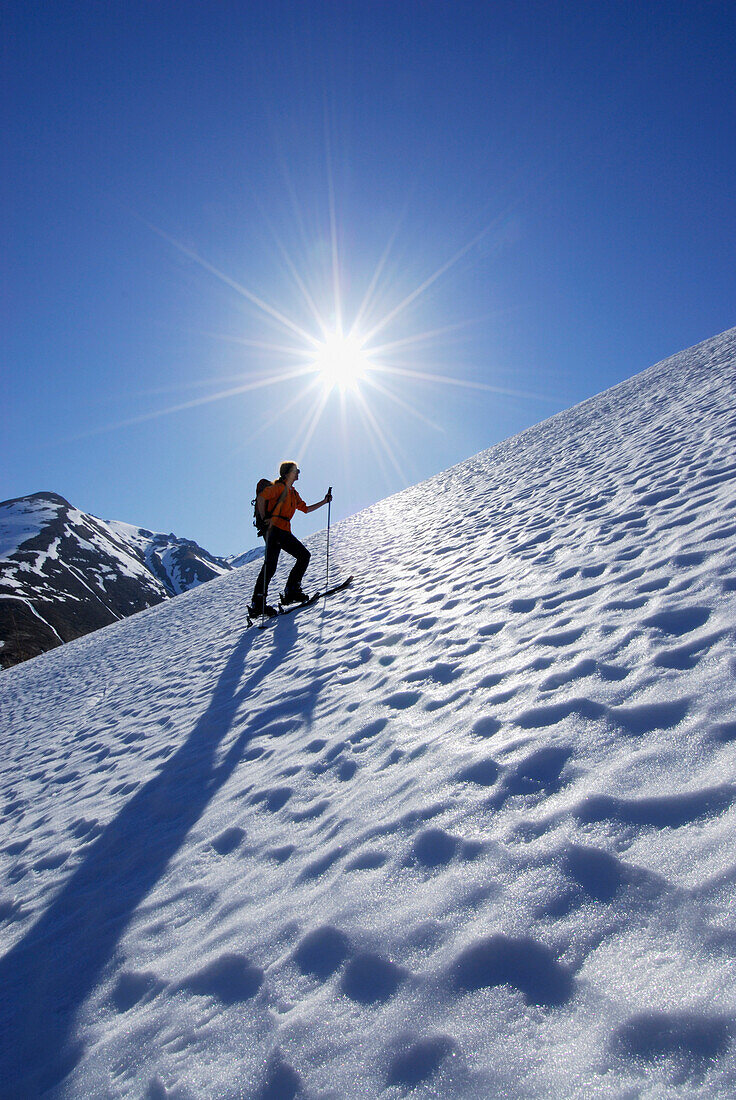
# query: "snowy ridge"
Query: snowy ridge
64,573
180,564
466,830
256,554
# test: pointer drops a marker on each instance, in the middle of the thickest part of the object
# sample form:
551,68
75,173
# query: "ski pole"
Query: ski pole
329,507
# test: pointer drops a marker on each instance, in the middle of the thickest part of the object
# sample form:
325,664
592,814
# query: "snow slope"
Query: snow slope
467,830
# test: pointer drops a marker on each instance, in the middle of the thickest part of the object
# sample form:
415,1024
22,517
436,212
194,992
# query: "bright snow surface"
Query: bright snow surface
465,830
21,521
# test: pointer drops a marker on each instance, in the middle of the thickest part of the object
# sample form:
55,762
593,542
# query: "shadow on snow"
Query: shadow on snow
46,976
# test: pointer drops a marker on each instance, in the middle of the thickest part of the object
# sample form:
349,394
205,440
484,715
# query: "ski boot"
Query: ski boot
294,595
260,607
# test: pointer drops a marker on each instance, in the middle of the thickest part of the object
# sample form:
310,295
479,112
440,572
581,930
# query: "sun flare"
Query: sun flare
341,361
324,353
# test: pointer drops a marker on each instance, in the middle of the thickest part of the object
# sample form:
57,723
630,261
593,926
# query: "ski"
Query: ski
300,606
286,609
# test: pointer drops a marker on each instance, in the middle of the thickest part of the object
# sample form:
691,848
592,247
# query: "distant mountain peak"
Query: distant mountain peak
64,572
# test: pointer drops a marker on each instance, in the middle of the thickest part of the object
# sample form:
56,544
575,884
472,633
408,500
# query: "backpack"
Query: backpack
260,525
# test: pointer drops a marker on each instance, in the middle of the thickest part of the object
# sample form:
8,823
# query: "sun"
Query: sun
320,352
341,361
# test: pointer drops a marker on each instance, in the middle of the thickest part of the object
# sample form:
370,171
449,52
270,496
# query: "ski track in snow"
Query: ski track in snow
465,830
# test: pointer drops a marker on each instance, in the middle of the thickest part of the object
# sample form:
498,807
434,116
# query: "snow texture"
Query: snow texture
466,830
20,521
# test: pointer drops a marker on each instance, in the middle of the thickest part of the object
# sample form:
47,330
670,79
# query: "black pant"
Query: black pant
276,541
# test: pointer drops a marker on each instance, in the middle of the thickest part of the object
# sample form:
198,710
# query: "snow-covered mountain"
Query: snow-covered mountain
256,554
64,573
179,564
465,830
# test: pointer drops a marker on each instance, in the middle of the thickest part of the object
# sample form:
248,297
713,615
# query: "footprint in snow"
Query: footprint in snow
541,771
687,560
229,979
631,554
282,1081
664,811
444,701
10,910
680,620
645,717
686,656
371,730
727,532
686,1037
541,717
256,753
724,732
316,746
335,751
289,773
393,758
440,673
626,605
346,770
367,860
584,668
273,799
52,861
371,979
483,772
492,679
17,847
322,952
276,729
311,812
280,855
600,875
593,570
486,727
433,848
402,700
657,497
521,606
317,867
418,1059
567,574
560,638
133,987
654,586
522,963
228,840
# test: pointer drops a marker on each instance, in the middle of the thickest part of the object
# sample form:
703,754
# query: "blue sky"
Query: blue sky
538,196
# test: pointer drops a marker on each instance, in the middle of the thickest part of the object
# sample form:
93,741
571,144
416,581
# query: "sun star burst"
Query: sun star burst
341,361
326,356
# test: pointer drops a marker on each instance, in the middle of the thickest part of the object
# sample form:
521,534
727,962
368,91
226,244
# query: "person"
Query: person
276,505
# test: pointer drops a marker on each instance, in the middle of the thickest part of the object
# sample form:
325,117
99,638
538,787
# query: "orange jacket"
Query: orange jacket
281,513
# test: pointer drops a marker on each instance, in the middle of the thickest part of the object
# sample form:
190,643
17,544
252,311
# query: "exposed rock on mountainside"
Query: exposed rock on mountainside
64,573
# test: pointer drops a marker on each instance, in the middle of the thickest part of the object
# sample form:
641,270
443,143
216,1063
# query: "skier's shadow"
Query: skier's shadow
309,693
46,976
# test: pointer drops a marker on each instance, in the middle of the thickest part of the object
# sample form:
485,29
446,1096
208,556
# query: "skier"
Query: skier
276,505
